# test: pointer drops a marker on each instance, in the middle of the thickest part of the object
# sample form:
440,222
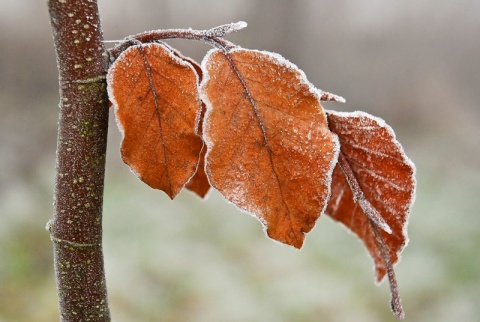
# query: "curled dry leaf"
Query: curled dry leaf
269,149
385,175
199,182
157,108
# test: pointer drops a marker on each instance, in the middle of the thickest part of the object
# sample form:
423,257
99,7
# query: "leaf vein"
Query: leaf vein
157,111
265,138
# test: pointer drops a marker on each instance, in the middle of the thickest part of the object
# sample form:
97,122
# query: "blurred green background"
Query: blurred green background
414,63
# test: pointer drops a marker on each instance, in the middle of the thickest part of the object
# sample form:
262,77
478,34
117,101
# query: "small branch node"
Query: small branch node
132,41
49,225
91,80
73,244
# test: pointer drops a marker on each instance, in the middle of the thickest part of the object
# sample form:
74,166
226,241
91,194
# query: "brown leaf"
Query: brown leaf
385,175
269,148
199,182
157,109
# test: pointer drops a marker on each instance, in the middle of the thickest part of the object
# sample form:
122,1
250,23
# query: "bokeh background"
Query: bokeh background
414,63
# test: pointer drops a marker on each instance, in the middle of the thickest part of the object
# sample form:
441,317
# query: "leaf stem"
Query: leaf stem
155,95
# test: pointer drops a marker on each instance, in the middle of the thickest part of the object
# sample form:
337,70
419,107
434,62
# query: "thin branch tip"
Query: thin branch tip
373,214
381,224
397,309
376,222
223,30
386,228
239,25
326,96
395,301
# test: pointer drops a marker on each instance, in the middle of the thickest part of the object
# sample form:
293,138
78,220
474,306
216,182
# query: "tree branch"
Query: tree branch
376,222
76,228
213,37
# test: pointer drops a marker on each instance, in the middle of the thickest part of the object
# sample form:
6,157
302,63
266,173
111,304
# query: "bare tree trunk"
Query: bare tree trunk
76,228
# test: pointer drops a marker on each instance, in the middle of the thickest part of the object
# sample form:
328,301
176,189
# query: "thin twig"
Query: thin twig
359,196
212,37
395,301
375,221
326,96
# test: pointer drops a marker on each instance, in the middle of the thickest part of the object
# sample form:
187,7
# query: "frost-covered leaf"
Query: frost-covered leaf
269,149
385,175
199,183
157,109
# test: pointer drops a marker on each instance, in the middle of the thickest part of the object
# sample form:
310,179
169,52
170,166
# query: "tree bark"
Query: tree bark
76,228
